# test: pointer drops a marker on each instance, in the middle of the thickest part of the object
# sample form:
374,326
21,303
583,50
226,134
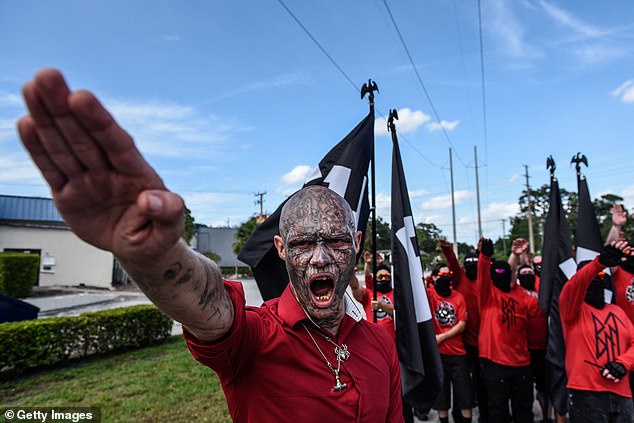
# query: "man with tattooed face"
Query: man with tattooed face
305,356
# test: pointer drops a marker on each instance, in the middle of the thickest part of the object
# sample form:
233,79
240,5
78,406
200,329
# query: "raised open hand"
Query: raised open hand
619,217
104,189
519,246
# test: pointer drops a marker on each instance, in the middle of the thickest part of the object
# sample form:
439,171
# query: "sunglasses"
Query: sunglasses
383,277
444,274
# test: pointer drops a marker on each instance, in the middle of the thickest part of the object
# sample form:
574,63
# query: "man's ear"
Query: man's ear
357,241
279,245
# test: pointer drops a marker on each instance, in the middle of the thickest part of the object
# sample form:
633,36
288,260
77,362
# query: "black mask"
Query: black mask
501,275
384,286
527,280
594,295
471,270
443,286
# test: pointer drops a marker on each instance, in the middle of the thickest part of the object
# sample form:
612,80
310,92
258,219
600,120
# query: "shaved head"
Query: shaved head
319,244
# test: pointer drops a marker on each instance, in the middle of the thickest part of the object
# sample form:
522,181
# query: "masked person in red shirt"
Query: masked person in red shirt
384,303
503,340
307,356
465,281
599,341
450,317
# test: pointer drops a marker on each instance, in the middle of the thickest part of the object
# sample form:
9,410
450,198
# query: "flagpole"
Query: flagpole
453,206
369,88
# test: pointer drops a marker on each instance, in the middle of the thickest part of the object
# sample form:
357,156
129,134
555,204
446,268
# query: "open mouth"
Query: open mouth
322,289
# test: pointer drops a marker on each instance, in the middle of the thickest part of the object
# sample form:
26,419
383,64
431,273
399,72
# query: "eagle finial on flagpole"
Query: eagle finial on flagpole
391,127
369,88
577,160
551,166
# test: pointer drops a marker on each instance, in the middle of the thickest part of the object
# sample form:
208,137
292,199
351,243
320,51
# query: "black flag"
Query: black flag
557,267
344,169
421,368
589,241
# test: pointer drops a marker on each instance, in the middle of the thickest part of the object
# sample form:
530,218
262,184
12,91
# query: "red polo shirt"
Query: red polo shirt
271,371
470,290
594,336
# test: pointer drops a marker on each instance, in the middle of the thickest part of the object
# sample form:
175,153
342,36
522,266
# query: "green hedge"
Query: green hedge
18,273
48,341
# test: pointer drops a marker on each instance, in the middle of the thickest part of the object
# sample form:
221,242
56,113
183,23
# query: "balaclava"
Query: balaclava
471,266
501,275
527,280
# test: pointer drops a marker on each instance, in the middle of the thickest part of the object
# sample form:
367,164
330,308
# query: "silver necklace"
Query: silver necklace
342,354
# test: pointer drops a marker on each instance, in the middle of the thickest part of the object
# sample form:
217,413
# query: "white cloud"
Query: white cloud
447,125
628,196
417,193
566,19
298,174
384,206
625,91
172,130
514,178
499,211
408,121
444,201
17,168
509,31
279,81
10,100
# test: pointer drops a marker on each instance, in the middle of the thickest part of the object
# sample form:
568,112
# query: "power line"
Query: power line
420,80
484,97
345,75
323,50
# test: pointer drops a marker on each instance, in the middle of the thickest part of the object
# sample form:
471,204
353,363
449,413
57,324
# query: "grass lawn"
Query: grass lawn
155,384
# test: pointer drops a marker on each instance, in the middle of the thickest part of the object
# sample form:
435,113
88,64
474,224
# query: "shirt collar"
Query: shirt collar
292,313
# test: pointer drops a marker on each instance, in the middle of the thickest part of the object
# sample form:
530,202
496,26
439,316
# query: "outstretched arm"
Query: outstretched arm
111,198
452,261
518,248
619,218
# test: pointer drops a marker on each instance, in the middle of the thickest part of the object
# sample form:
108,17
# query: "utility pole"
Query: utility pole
453,206
531,238
475,156
503,236
261,203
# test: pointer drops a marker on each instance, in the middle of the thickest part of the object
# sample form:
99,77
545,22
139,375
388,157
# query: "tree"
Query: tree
244,232
539,202
213,256
383,235
190,226
427,235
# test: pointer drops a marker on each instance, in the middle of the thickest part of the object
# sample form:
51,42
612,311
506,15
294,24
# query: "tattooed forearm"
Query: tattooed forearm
172,271
190,289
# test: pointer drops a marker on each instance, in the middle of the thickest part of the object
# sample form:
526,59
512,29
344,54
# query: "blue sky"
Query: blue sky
230,98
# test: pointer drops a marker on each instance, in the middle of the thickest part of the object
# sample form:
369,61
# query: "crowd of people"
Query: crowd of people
309,355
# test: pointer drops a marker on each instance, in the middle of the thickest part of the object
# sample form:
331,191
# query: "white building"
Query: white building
33,225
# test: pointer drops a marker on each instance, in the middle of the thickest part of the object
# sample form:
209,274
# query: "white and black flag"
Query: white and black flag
558,265
589,240
421,368
344,169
